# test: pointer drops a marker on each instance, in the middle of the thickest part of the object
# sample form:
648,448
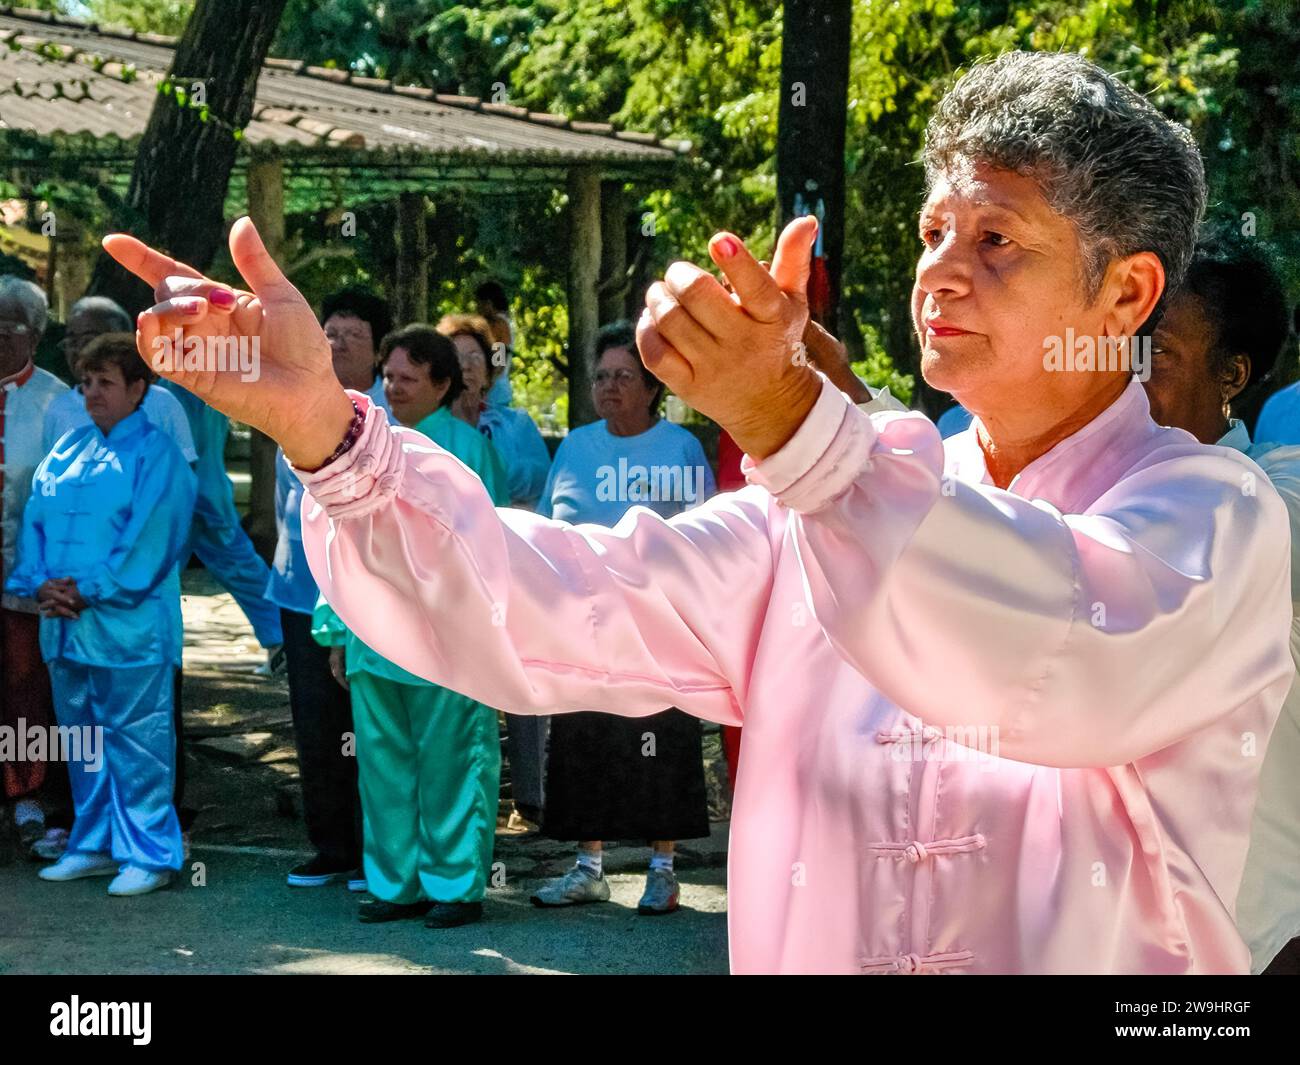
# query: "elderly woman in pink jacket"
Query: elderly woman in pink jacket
1005,697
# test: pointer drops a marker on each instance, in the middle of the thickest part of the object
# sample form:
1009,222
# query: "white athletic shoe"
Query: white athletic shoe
574,888
133,880
77,866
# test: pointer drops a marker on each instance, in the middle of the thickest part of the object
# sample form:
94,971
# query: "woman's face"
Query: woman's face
1183,389
17,340
473,367
108,397
999,276
619,387
410,391
352,347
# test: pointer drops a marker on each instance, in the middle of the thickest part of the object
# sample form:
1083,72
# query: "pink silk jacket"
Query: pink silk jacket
985,730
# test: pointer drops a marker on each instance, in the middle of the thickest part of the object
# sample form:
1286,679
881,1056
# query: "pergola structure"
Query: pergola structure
75,99
76,93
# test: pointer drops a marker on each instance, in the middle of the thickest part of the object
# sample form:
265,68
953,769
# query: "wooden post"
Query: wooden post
584,273
613,252
73,269
811,133
266,202
266,209
411,302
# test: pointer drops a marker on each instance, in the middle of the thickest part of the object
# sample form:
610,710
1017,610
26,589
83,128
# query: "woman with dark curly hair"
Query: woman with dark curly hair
1220,338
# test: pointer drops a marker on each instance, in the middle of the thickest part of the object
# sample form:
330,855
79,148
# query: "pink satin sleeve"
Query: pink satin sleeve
1087,639
531,615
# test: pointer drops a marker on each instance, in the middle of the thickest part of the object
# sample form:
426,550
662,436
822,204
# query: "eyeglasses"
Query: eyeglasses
622,378
17,329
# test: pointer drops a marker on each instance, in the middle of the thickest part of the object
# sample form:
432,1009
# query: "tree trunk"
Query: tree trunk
612,289
584,277
811,129
182,168
411,290
266,209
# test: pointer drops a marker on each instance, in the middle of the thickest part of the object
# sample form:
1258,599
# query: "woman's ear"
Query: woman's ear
1236,377
1135,285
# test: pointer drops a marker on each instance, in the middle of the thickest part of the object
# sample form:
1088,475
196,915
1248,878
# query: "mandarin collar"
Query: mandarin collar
1237,436
128,427
20,378
1067,475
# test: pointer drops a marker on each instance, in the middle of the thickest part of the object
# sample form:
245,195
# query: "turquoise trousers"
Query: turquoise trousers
429,770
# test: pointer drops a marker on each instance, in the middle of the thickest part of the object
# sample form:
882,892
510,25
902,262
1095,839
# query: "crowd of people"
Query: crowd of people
112,484
1020,699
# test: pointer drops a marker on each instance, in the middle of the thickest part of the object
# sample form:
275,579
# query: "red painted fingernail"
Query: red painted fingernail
727,247
221,298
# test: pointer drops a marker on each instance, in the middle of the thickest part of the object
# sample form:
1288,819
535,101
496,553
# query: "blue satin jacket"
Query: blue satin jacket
113,513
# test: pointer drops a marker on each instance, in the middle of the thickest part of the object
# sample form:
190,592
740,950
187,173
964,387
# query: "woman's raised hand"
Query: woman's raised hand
284,386
737,356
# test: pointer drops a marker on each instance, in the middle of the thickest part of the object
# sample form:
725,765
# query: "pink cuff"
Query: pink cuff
821,460
364,478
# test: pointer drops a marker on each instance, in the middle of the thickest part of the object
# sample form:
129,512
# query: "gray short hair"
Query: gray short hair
31,297
1129,179
103,307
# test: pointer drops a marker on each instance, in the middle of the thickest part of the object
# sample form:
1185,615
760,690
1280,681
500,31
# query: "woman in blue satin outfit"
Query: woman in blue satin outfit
102,535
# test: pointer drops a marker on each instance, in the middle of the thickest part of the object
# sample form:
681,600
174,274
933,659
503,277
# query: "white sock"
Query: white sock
660,860
591,862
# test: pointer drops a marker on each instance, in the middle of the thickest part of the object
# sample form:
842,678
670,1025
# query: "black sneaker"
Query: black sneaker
453,914
374,911
317,873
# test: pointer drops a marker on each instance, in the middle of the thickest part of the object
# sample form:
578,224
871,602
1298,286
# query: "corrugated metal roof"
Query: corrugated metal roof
60,78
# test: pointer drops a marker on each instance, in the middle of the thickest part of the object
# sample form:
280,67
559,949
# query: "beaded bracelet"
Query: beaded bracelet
355,429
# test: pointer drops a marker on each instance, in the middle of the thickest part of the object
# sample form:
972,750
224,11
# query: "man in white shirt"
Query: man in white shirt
25,393
90,317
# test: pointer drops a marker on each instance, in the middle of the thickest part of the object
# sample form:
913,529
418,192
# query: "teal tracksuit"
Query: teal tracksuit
428,758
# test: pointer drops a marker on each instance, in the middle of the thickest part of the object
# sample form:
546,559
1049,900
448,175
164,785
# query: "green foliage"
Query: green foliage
455,48
148,16
879,370
181,96
541,326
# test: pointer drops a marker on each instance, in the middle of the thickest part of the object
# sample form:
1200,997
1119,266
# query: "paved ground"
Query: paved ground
245,920
233,913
